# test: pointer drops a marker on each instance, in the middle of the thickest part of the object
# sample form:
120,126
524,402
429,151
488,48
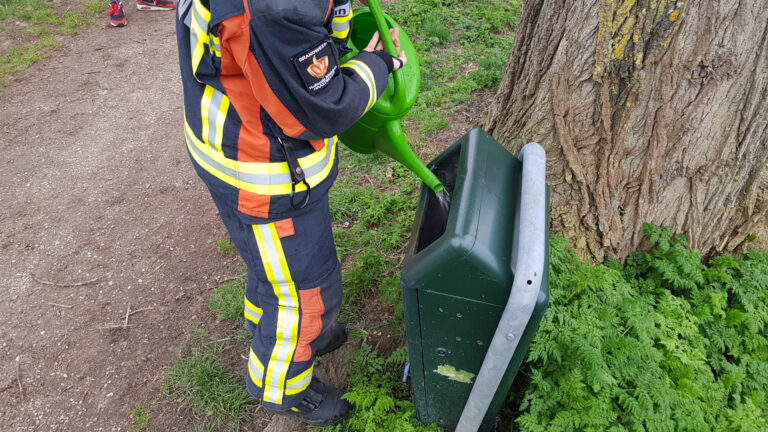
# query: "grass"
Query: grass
225,247
19,59
35,23
198,331
463,49
201,379
227,301
372,209
140,416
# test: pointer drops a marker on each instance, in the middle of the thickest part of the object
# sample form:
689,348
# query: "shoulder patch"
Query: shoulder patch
317,65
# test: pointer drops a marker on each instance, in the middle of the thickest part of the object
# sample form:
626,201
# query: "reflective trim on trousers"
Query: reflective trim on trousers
300,382
255,369
286,337
252,312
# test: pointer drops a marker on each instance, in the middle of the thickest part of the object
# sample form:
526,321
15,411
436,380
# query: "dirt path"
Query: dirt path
97,190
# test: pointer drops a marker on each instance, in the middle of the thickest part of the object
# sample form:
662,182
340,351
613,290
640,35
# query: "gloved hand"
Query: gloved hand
377,45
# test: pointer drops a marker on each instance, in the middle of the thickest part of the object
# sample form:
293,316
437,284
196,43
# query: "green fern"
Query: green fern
663,342
381,402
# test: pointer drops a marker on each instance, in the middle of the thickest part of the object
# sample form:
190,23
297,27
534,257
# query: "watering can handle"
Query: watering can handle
389,45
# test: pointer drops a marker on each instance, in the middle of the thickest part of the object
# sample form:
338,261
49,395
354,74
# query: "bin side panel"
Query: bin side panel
455,334
415,354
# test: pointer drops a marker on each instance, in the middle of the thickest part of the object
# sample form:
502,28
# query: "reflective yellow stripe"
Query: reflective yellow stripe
252,312
258,374
286,337
256,362
216,46
199,32
300,382
340,34
343,18
205,105
263,178
340,25
365,73
200,37
220,119
213,113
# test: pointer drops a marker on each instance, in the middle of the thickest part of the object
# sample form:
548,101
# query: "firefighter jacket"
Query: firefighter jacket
265,95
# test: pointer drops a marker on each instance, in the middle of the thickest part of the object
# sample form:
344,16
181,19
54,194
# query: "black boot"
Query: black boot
322,405
330,339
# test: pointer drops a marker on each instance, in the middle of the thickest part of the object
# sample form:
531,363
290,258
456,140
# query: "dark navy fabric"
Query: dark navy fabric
280,99
312,260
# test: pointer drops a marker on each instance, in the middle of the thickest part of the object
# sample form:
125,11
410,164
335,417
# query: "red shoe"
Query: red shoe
149,5
116,15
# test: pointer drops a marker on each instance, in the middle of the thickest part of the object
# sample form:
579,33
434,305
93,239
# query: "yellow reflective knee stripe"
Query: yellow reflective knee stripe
365,73
340,25
287,334
213,112
252,312
300,382
263,178
255,369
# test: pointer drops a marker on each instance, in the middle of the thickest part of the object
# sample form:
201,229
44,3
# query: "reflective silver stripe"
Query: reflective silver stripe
198,36
252,313
199,19
261,179
340,26
214,112
286,336
182,8
342,10
216,46
298,386
366,75
341,19
256,369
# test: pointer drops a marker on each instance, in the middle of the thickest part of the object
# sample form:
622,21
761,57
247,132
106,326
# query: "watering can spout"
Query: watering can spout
391,141
380,128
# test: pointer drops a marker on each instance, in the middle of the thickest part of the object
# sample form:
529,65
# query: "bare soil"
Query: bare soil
107,237
101,212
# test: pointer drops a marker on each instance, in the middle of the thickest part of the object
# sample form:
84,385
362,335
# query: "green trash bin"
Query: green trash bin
459,280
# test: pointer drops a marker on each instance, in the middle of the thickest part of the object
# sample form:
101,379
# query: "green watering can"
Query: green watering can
380,128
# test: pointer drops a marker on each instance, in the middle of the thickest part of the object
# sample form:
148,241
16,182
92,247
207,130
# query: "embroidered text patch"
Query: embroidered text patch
317,65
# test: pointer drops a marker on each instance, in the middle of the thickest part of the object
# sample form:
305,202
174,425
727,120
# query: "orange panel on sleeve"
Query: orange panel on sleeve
239,46
312,309
252,145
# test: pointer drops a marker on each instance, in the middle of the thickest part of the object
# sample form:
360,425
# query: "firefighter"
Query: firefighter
265,94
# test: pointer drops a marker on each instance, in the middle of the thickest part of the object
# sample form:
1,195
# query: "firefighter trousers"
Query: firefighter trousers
293,291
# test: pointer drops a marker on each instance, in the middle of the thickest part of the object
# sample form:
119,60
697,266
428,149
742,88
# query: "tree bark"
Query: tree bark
650,111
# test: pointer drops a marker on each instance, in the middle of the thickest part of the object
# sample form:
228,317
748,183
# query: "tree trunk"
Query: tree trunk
650,111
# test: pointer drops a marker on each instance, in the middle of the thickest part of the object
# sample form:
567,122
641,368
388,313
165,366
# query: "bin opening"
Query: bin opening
436,216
